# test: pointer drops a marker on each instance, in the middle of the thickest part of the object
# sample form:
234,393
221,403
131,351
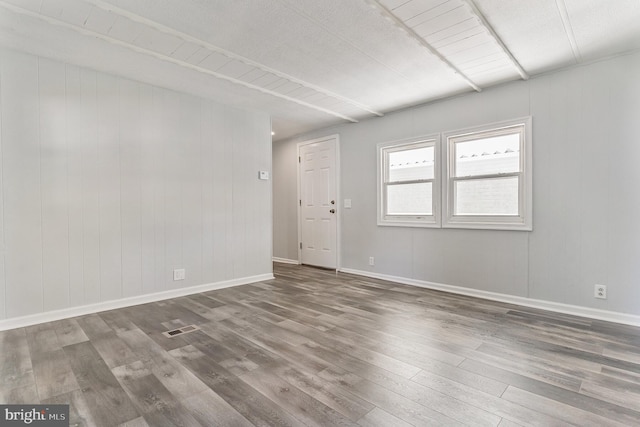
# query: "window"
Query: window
408,183
488,172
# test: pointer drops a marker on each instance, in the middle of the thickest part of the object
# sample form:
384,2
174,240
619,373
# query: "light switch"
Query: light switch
263,175
347,203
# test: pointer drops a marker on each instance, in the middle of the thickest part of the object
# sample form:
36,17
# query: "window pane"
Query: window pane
409,165
409,199
500,154
497,196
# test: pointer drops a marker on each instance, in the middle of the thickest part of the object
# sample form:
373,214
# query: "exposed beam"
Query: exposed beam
478,14
568,29
157,55
398,22
188,38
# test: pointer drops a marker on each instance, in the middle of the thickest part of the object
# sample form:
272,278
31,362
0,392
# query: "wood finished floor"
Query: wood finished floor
315,348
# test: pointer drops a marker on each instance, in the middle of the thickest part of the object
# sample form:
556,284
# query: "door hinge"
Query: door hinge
300,245
300,202
299,159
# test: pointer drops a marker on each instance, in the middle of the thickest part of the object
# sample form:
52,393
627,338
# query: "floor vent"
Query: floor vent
180,331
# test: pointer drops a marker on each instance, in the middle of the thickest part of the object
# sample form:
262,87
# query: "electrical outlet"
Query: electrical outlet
179,274
371,261
600,291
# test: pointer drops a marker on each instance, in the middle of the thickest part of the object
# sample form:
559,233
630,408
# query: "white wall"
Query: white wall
109,184
586,224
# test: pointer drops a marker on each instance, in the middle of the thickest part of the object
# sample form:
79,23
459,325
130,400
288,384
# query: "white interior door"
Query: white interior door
318,203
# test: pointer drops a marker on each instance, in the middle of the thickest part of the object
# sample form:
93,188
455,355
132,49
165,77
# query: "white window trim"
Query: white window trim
432,221
521,222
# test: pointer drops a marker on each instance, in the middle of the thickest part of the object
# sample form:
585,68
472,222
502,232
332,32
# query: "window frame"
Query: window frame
383,149
522,221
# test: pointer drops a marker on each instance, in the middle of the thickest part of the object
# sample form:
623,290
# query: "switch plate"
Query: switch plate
347,203
179,274
263,175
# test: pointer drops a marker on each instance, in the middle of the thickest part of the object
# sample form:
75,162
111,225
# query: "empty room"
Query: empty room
316,213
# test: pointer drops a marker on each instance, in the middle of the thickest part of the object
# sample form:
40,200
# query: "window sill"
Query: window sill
408,223
487,224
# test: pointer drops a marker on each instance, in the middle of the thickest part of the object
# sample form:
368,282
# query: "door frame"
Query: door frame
338,196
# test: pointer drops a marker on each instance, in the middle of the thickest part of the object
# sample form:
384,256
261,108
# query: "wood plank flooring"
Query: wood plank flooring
317,348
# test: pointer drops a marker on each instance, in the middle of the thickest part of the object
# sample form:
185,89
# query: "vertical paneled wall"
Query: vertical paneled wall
109,184
586,202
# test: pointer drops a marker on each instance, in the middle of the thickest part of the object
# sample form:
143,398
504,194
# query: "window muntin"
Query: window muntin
408,185
488,177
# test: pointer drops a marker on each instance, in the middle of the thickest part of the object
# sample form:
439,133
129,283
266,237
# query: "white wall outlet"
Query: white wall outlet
600,291
179,274
263,175
371,261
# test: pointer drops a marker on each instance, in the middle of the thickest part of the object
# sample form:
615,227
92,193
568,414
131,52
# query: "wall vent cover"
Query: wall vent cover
180,331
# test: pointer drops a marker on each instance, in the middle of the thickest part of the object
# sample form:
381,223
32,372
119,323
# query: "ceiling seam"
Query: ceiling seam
483,21
454,38
87,32
188,38
432,17
398,22
430,35
568,29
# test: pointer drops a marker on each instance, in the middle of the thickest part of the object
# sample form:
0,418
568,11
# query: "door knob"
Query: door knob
332,210
333,202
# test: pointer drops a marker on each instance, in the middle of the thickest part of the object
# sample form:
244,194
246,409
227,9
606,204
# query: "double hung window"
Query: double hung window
408,183
488,177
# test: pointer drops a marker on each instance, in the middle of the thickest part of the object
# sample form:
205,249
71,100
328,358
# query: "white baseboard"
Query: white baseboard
575,310
33,319
285,260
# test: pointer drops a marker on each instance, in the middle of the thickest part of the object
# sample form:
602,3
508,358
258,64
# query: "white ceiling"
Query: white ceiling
312,63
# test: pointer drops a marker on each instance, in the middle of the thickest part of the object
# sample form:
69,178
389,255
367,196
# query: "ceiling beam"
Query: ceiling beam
188,38
478,14
398,22
568,29
157,55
